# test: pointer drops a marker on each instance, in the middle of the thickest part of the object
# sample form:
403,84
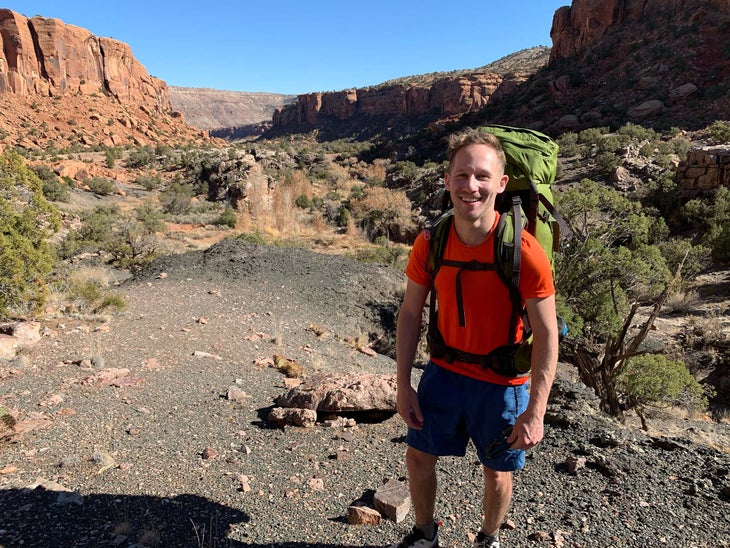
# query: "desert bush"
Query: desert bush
303,201
133,246
27,219
380,210
100,185
661,193
568,144
405,170
655,380
88,294
710,217
176,199
647,150
608,161
150,217
227,218
609,143
255,237
637,132
149,182
140,157
591,135
385,253
54,188
109,158
94,233
611,262
719,132
125,240
343,218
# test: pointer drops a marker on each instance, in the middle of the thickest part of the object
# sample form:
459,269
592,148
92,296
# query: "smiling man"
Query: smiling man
460,396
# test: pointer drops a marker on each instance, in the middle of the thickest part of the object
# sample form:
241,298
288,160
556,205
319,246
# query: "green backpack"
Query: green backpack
526,204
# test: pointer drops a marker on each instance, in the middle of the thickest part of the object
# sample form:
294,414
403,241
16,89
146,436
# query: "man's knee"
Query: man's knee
496,478
420,462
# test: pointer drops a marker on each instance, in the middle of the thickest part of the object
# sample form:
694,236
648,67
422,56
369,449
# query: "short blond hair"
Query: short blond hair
471,136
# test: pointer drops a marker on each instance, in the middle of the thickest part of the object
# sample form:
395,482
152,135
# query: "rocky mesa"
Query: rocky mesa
50,74
43,56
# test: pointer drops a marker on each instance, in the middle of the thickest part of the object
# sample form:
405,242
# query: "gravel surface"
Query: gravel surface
158,455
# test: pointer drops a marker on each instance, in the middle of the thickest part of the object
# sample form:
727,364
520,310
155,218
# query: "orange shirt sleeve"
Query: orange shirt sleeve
417,268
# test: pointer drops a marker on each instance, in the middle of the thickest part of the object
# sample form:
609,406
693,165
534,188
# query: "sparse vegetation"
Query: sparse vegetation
27,220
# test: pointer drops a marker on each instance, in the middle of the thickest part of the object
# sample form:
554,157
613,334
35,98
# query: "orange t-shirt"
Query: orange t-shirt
486,299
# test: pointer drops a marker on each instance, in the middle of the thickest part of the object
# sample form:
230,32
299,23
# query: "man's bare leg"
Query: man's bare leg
422,484
497,498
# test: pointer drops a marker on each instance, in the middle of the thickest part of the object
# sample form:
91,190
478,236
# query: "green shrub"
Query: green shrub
91,296
384,252
608,161
591,135
27,219
719,132
302,201
149,182
255,237
227,218
343,218
652,379
568,143
710,216
637,132
609,143
176,199
140,157
94,234
100,185
616,262
150,217
53,188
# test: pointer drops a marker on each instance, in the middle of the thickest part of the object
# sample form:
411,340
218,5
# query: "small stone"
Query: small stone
393,500
363,515
209,453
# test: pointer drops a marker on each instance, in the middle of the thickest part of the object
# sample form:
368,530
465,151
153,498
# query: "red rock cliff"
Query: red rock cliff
41,56
582,24
447,96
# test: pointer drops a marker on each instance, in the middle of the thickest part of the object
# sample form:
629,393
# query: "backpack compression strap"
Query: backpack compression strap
565,230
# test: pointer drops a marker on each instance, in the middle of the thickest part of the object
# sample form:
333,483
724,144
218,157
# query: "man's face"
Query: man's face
473,181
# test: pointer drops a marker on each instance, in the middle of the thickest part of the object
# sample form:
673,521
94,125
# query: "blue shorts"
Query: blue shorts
457,408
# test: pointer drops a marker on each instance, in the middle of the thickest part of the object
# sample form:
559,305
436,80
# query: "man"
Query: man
461,400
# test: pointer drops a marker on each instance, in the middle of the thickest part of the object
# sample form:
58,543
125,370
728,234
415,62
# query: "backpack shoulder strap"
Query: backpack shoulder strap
437,235
508,254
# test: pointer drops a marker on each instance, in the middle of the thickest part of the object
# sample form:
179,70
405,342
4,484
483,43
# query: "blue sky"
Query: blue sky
295,46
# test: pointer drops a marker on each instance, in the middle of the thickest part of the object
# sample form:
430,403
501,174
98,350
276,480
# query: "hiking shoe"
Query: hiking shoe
416,539
486,541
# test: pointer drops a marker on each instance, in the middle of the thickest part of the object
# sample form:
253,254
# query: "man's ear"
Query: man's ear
503,183
447,183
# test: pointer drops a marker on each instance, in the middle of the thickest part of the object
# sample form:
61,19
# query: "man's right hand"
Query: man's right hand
408,408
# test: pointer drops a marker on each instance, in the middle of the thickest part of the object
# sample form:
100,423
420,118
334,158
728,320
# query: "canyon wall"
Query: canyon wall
47,57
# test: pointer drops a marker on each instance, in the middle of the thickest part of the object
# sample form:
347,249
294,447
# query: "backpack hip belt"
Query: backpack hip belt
502,360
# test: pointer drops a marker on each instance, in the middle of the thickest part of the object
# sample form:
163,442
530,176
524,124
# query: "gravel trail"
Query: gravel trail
157,454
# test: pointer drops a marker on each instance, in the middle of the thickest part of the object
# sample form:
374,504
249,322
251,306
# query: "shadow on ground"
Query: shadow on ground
42,517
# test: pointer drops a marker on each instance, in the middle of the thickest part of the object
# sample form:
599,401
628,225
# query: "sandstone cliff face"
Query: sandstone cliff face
447,96
46,57
585,22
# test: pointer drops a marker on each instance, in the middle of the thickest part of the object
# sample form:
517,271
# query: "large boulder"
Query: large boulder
343,392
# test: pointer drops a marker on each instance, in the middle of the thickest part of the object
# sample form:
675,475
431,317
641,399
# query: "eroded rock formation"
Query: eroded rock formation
585,22
47,57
